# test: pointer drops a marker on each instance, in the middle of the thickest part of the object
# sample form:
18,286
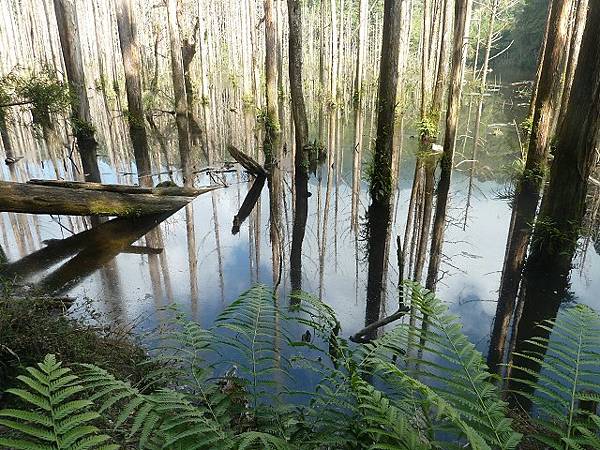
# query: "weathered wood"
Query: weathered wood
247,162
123,189
30,198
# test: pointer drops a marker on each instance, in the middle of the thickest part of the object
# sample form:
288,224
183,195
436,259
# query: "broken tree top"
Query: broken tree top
75,198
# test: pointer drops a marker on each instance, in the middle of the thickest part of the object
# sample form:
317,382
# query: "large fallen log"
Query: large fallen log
92,199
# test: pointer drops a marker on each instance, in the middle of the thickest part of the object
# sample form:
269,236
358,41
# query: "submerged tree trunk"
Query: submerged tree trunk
66,17
133,84
301,138
181,110
530,184
564,204
381,182
443,188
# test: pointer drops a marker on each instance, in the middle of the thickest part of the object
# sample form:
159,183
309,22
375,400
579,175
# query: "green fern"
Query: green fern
57,419
569,375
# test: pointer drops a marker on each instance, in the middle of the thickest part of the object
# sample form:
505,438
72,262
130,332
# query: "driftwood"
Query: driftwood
91,199
247,162
248,204
124,189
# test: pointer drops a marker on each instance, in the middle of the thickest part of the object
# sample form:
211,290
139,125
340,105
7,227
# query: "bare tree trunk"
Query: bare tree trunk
381,182
133,84
301,137
530,184
443,188
66,17
358,108
564,204
181,110
272,126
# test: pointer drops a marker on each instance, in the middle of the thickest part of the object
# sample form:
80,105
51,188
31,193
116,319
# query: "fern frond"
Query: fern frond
559,371
55,420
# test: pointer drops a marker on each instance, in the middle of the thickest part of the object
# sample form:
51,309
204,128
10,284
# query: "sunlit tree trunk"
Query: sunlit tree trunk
530,185
133,84
563,207
181,110
301,138
66,17
272,125
358,107
443,188
380,188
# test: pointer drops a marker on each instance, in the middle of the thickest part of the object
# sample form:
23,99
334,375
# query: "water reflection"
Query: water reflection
206,254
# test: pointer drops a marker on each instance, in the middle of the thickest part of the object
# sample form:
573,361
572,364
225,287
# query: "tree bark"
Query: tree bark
301,136
66,17
130,52
530,184
381,183
181,110
272,125
564,203
452,113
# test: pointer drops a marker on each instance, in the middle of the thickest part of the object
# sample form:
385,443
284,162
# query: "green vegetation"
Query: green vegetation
234,385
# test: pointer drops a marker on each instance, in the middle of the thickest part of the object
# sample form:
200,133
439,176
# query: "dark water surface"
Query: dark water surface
199,264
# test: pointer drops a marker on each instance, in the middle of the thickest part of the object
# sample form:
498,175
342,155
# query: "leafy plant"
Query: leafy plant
268,377
57,419
559,375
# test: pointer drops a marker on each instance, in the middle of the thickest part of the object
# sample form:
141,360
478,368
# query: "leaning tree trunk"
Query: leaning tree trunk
133,85
530,184
66,18
181,110
381,182
272,126
564,203
443,188
301,137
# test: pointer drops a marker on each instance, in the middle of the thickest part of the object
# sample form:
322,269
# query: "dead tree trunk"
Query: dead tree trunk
66,17
381,183
133,85
563,206
530,184
301,136
272,126
181,110
443,188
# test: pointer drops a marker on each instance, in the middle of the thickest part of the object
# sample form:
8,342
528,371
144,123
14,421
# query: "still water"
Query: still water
194,259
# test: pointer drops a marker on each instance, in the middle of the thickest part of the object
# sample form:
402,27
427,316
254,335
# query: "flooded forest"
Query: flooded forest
299,224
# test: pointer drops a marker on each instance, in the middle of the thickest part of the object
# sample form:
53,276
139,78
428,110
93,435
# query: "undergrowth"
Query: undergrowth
268,377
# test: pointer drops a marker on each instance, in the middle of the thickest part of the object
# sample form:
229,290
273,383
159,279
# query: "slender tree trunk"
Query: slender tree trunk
133,84
530,184
301,138
381,183
181,110
66,17
358,108
443,188
272,126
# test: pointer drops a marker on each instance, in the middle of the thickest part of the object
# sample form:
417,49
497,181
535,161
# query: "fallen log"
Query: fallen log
92,199
124,189
247,162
